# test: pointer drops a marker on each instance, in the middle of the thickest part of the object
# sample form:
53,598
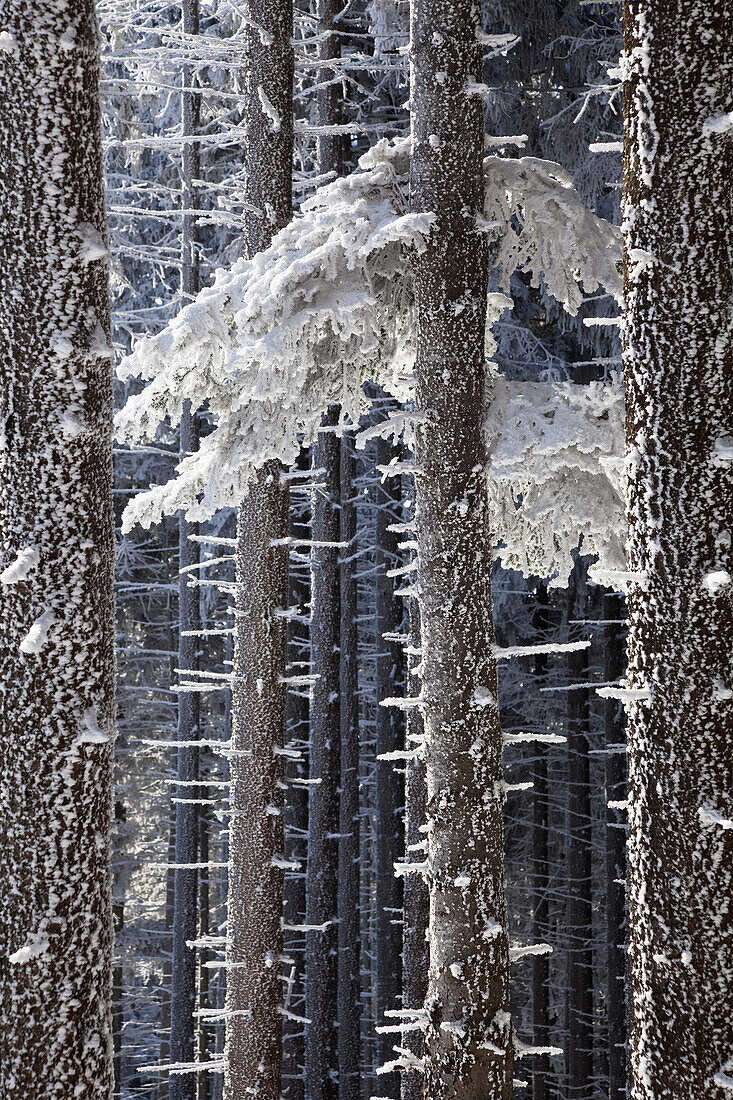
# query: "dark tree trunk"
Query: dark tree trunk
541,876
185,901
616,784
468,1041
389,784
579,1053
349,938
416,897
118,914
205,955
678,356
321,944
253,1047
56,562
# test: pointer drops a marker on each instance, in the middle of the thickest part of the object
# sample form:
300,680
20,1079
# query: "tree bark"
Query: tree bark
349,938
253,1045
389,784
56,564
321,945
678,358
616,784
185,897
579,1053
541,875
468,1041
416,898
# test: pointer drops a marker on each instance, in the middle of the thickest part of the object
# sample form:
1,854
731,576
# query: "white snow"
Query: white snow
25,560
37,636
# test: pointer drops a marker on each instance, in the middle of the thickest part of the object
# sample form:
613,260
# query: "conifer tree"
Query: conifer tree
56,561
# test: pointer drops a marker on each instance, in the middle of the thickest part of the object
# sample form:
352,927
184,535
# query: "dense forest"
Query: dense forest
366,565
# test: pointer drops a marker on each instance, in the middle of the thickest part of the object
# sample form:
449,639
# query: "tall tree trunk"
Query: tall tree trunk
185,891
579,1053
204,929
678,357
56,569
389,785
118,914
468,1041
349,939
613,607
321,943
253,1046
416,899
540,876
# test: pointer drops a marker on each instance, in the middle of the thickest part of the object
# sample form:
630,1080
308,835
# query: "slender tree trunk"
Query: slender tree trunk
185,900
204,929
678,356
349,938
579,1053
468,1041
118,914
416,898
540,877
389,785
56,562
321,945
253,1047
615,852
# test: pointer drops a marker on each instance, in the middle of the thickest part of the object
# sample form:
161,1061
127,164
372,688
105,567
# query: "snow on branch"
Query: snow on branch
329,305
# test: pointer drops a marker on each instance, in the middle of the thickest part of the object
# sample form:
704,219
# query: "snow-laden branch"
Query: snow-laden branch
329,304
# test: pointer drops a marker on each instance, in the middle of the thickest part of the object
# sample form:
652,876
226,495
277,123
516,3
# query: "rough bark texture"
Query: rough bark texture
389,783
349,940
616,792
253,1046
185,890
321,946
416,898
468,1041
678,356
56,561
579,1052
256,837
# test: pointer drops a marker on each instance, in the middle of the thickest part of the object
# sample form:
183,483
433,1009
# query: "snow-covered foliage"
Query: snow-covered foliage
279,338
557,472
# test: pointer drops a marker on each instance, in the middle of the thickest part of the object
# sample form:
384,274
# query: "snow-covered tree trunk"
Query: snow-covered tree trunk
185,898
56,561
541,875
678,358
415,956
468,1041
579,902
349,939
253,1046
389,785
321,944
615,790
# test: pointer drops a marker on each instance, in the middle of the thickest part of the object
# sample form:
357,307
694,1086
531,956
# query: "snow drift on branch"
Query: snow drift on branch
328,305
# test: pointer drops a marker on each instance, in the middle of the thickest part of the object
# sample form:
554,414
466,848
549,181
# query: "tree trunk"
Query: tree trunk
349,938
579,1053
678,357
389,784
541,875
614,722
253,1046
56,570
185,900
321,945
416,899
468,1041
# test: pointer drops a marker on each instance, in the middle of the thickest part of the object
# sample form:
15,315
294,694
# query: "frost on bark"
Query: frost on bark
186,879
541,1080
349,940
678,358
468,1041
253,1046
389,794
321,943
56,561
